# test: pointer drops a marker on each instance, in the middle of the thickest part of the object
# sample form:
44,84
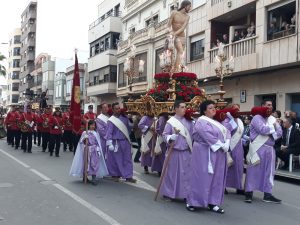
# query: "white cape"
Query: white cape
78,164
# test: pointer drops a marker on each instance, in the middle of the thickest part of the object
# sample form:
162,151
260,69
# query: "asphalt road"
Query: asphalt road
36,189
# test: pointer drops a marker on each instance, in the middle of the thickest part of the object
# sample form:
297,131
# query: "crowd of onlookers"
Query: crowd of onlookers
274,27
239,34
288,144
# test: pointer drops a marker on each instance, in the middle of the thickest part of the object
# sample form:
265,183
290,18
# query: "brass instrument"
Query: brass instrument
45,123
24,126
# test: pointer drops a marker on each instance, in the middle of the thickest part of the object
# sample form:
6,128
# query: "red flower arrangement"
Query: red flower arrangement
187,93
159,93
162,77
183,76
189,113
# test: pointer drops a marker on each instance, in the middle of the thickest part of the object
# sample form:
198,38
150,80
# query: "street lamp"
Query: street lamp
224,68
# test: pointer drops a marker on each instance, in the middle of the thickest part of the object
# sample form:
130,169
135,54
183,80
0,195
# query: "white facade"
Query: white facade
144,25
260,59
13,70
104,35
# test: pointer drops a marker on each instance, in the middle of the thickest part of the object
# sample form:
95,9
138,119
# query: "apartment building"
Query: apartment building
28,42
266,60
13,70
104,35
261,35
144,26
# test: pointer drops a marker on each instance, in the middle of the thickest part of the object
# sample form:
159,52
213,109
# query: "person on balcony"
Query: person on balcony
271,31
236,36
225,39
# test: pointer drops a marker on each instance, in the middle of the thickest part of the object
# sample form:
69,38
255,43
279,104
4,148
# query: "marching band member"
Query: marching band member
264,131
96,166
13,136
39,125
178,136
209,161
27,122
236,168
56,130
119,162
90,115
45,129
146,125
68,127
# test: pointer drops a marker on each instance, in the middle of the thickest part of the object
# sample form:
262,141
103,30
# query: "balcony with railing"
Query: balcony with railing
144,34
218,8
105,17
106,85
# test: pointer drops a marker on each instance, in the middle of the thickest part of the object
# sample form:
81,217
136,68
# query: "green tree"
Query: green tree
2,68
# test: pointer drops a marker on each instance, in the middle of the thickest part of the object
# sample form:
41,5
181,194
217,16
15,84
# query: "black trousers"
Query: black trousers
55,140
45,140
16,138
27,141
75,139
285,155
37,137
67,139
9,136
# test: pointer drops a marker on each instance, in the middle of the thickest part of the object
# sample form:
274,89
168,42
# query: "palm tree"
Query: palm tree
2,68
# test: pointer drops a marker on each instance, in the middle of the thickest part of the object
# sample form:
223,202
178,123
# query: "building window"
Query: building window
16,63
15,75
69,87
14,98
97,49
17,51
197,48
122,76
17,39
154,19
141,77
197,3
132,30
157,60
281,21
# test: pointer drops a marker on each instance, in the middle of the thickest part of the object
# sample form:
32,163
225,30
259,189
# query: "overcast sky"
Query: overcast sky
62,25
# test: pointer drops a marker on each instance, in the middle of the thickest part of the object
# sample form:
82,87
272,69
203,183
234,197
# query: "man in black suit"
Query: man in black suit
290,143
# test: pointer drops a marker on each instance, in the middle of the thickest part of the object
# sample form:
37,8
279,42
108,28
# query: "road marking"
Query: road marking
40,175
75,197
137,173
290,205
86,204
14,158
142,184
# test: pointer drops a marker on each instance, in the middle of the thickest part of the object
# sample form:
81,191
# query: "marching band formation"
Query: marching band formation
195,158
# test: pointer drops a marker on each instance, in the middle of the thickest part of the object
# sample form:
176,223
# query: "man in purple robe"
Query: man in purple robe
209,161
101,122
177,134
146,125
261,156
236,167
158,157
119,162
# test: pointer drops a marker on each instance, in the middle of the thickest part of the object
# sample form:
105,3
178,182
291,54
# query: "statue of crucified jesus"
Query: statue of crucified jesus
177,24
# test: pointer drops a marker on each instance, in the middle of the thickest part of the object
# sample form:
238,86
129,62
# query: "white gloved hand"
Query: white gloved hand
173,137
226,145
229,116
111,148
